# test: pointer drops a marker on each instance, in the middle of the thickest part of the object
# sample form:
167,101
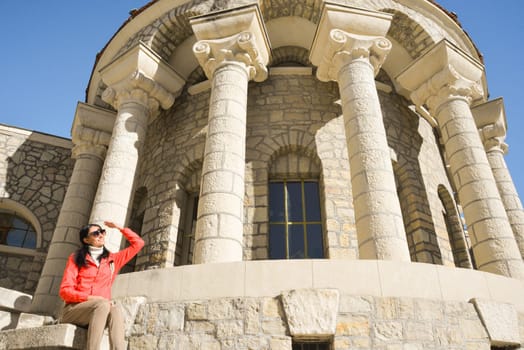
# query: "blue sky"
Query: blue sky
49,48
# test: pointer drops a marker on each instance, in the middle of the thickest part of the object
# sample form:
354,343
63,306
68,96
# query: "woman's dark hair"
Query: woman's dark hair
81,253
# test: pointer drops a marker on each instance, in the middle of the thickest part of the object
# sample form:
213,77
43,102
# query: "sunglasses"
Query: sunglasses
98,232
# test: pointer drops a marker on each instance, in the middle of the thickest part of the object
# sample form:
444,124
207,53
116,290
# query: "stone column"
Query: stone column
229,61
446,80
138,84
491,122
345,54
89,151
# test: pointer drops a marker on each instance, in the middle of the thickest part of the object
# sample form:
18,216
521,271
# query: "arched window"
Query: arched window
186,234
295,215
295,226
135,223
188,200
16,231
455,230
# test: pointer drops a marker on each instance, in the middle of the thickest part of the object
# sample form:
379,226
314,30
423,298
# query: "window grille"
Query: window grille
295,224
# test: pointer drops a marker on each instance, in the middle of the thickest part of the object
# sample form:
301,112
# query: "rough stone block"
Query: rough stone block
130,306
14,300
56,336
311,311
280,343
31,320
500,321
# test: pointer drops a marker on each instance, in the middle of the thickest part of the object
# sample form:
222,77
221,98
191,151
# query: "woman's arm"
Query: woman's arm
135,244
68,288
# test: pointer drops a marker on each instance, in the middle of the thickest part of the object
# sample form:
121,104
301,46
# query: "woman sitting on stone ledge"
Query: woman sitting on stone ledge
87,281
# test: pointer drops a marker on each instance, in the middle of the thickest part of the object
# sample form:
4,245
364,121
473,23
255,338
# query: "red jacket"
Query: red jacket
78,284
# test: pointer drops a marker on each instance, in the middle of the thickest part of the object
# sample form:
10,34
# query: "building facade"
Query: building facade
305,174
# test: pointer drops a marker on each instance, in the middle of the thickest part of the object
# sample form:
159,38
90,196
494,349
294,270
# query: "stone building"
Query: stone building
306,174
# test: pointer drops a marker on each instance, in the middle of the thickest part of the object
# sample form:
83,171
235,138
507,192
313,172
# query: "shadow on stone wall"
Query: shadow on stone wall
403,137
37,169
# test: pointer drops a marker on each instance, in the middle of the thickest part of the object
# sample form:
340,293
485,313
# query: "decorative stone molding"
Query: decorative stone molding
500,320
311,312
445,72
142,76
344,47
351,33
89,148
236,36
93,117
91,130
236,49
490,118
139,88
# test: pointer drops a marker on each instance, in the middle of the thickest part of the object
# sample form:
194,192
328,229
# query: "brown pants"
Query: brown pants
96,315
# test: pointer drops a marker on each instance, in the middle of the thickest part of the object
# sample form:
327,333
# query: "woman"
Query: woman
87,281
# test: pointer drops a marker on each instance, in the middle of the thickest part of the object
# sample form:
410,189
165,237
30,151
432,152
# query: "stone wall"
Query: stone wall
295,120
297,117
266,323
34,173
419,171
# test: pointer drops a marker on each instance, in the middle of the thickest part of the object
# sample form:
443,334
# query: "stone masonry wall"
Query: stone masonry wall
172,154
419,171
298,117
34,174
260,323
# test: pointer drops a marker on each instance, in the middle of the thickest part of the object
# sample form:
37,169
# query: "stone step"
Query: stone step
54,337
51,337
16,320
14,300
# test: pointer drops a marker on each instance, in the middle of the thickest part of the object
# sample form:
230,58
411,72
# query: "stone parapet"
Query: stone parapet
355,277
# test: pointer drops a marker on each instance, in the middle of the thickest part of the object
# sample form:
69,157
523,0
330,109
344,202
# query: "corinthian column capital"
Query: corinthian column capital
490,118
236,49
91,131
237,36
140,89
351,34
344,47
140,75
90,141
445,85
90,149
442,74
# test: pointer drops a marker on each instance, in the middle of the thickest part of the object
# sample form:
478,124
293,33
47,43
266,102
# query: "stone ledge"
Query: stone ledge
16,320
14,300
269,278
61,336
